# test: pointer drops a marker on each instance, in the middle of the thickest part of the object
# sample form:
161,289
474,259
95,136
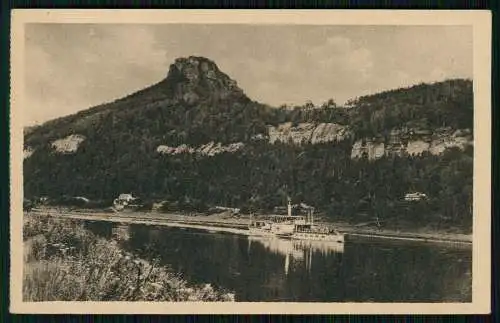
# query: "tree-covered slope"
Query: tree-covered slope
424,106
117,150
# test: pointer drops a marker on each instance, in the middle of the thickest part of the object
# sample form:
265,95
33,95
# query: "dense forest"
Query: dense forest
261,177
423,106
119,154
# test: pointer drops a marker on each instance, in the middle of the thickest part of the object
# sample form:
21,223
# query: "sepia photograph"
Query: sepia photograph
247,162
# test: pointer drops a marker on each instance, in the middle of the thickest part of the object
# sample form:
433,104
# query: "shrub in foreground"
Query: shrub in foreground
65,262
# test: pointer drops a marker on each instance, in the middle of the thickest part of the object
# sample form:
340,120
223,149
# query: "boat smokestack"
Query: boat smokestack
289,207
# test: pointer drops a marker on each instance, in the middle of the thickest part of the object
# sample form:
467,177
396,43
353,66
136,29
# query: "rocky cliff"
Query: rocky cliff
308,133
210,149
194,79
413,142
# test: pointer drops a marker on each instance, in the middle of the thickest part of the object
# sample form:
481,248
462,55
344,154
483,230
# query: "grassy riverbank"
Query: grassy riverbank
65,262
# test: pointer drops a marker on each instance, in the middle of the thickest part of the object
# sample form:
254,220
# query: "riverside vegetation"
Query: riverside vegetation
66,262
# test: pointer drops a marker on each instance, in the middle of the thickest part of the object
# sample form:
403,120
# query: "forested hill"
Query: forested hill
424,106
196,140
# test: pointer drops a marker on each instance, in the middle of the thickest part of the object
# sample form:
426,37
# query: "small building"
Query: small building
225,209
43,200
126,197
123,200
417,196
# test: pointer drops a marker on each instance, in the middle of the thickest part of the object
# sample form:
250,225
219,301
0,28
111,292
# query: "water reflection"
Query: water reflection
296,251
276,269
101,228
111,230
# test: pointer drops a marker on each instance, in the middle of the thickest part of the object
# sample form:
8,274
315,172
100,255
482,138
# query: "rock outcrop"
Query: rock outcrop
210,149
68,145
308,132
195,79
399,142
27,152
373,149
412,142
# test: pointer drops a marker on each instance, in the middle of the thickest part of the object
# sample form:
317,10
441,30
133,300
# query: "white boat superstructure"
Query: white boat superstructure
281,226
278,225
295,227
307,230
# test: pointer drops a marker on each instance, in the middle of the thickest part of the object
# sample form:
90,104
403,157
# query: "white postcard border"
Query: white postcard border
480,20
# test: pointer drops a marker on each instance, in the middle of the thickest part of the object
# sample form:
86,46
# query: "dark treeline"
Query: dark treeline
423,106
260,177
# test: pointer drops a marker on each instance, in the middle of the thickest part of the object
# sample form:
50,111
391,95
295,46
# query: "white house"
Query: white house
230,209
417,196
126,197
123,200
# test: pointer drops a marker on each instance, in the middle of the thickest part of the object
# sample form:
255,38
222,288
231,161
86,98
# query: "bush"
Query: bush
34,224
65,262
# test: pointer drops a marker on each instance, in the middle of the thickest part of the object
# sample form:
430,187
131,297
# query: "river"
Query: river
281,270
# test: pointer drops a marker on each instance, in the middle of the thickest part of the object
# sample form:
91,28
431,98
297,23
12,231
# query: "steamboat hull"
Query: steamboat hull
339,238
280,232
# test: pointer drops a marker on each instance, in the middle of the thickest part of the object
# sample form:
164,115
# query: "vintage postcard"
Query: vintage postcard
292,162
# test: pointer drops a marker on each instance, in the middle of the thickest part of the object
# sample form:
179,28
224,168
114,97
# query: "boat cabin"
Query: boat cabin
288,218
310,228
258,224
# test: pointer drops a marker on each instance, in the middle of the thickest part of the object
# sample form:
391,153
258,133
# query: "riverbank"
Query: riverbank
346,228
238,225
65,262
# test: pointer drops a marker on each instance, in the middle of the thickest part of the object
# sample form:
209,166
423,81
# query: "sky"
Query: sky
72,67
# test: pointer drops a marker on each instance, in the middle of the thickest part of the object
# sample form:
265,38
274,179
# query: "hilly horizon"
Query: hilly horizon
196,140
164,89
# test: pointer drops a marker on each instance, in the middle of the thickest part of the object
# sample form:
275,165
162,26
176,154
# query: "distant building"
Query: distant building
43,200
230,209
123,200
417,196
126,197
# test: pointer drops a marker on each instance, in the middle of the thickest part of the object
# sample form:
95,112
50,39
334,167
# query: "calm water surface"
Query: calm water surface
271,269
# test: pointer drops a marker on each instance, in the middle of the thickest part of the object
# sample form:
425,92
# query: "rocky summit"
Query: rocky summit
195,79
196,140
